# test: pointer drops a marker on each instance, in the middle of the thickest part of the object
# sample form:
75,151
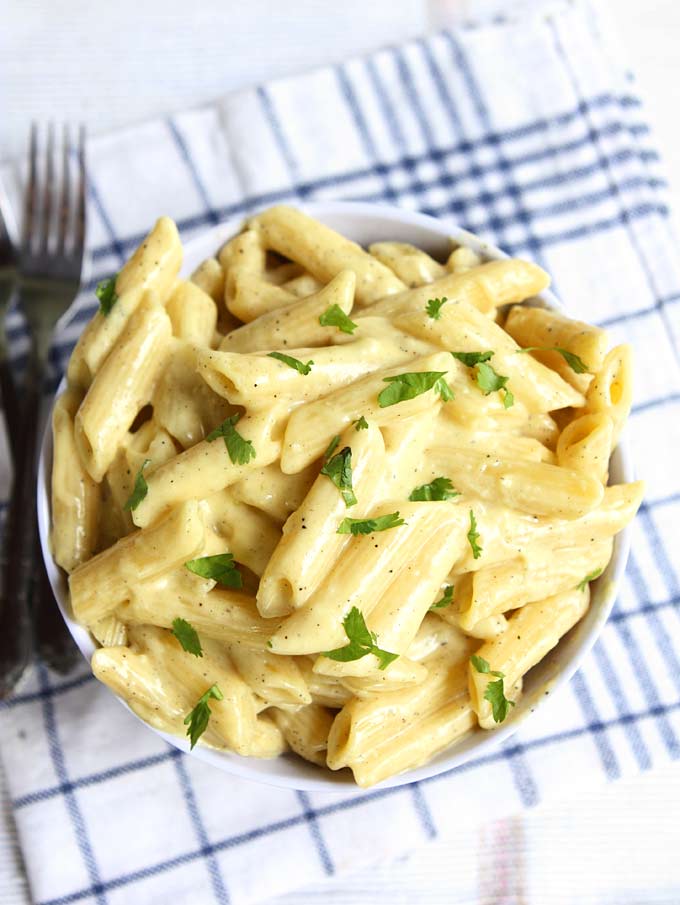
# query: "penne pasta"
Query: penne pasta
76,498
550,329
413,266
296,324
485,288
209,277
183,403
110,407
157,661
462,259
310,546
277,681
154,266
257,379
247,292
320,498
585,445
389,733
103,583
274,492
533,631
542,572
312,426
535,487
370,564
611,392
462,328
323,252
306,731
207,467
193,314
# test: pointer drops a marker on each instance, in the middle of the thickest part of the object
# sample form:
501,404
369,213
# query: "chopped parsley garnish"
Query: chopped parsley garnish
470,359
339,470
473,537
408,386
487,379
361,424
591,576
369,525
577,364
445,600
140,490
495,692
106,293
187,636
361,642
197,720
434,308
332,446
294,363
240,450
336,317
439,489
220,568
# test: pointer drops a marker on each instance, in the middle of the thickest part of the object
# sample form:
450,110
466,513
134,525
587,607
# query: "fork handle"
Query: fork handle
8,393
15,625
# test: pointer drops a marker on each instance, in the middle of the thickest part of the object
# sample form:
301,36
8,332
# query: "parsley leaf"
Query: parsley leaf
369,525
336,317
500,705
445,600
187,636
577,364
361,642
408,386
439,489
295,363
339,470
489,381
495,691
470,359
240,450
434,308
220,567
591,576
473,537
332,446
197,719
482,665
139,491
444,390
106,293
356,628
361,424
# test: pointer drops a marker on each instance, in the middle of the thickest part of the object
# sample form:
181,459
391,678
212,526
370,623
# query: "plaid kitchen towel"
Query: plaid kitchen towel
529,133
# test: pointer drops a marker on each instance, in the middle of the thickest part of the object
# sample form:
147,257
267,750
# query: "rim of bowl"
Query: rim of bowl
365,222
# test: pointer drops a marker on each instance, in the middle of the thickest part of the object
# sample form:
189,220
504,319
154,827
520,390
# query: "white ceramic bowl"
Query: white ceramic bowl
366,223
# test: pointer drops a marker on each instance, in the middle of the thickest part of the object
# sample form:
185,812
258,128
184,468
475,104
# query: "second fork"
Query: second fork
50,263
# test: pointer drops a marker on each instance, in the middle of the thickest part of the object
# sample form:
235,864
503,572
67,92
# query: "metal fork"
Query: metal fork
8,276
50,264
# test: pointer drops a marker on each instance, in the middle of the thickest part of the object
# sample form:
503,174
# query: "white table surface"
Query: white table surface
69,61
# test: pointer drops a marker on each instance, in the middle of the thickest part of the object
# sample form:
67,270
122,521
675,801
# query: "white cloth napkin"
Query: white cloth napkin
529,134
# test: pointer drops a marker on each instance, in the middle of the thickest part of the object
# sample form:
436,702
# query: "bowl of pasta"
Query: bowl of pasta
340,503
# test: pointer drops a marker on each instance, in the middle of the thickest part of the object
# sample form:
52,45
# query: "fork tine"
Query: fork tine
64,199
48,190
81,207
31,191
4,229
